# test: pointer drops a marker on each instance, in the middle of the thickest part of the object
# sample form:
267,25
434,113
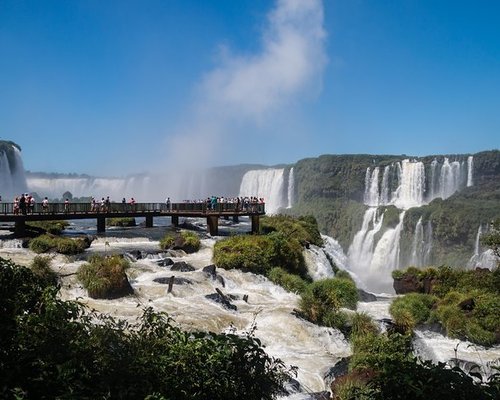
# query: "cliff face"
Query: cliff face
446,198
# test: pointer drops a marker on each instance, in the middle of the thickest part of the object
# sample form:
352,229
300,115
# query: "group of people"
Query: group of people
105,204
241,203
24,204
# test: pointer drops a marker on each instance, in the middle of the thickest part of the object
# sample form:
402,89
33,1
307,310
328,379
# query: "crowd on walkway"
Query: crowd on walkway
218,203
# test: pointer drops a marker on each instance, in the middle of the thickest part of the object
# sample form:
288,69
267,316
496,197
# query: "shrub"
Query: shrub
124,221
259,254
52,227
411,309
40,266
185,240
303,229
41,244
362,324
290,282
55,349
105,278
323,299
68,246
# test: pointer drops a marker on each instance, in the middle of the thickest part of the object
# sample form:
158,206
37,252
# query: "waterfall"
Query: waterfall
361,249
417,248
12,176
428,245
266,183
470,166
450,178
432,182
384,192
371,187
412,185
386,256
291,188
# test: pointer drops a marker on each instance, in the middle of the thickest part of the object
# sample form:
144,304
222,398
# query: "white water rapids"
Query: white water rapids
311,348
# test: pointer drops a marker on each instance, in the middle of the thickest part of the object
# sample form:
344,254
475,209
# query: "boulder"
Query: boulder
406,284
182,266
366,296
340,368
467,304
164,262
210,271
177,281
292,386
222,299
221,280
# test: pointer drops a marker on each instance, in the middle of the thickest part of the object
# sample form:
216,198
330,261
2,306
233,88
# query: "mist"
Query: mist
244,92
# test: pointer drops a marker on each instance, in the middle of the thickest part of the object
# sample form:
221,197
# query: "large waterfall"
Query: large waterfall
375,249
116,188
405,185
291,188
12,177
266,183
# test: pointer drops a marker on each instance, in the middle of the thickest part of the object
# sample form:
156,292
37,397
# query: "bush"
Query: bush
52,227
411,310
323,299
303,229
362,324
125,221
290,282
105,278
259,254
40,266
185,240
54,349
67,246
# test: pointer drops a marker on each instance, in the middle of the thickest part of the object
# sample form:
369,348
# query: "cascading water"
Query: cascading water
371,187
470,168
482,258
291,188
450,179
410,192
266,183
418,245
12,175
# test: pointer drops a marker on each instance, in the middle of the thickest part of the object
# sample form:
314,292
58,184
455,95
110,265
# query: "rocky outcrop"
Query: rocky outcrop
177,281
182,266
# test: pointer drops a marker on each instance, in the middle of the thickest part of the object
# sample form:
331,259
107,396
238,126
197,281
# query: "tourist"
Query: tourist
45,205
168,203
93,205
22,204
66,205
103,204
16,205
32,204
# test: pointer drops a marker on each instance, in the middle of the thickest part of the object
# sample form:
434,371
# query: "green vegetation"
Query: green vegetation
382,367
185,240
68,246
290,282
411,310
54,349
125,221
260,253
40,266
105,277
465,302
322,301
303,229
53,227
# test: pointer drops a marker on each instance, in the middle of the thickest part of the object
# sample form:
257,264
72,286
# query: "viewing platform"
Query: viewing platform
62,211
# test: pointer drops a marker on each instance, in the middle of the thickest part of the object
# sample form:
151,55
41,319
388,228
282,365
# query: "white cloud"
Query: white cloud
246,89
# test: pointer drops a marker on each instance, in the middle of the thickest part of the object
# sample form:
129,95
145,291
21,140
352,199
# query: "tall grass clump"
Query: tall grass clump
185,240
105,277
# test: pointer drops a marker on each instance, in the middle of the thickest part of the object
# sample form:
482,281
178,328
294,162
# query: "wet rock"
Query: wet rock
293,386
210,271
319,396
366,296
341,368
221,280
222,299
467,304
164,262
182,266
406,284
177,281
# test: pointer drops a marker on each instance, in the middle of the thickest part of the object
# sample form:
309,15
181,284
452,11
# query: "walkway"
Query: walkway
61,211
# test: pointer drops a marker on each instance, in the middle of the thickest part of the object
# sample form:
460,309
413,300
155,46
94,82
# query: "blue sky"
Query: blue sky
120,87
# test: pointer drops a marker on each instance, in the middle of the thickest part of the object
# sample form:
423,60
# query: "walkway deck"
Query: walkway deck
61,211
